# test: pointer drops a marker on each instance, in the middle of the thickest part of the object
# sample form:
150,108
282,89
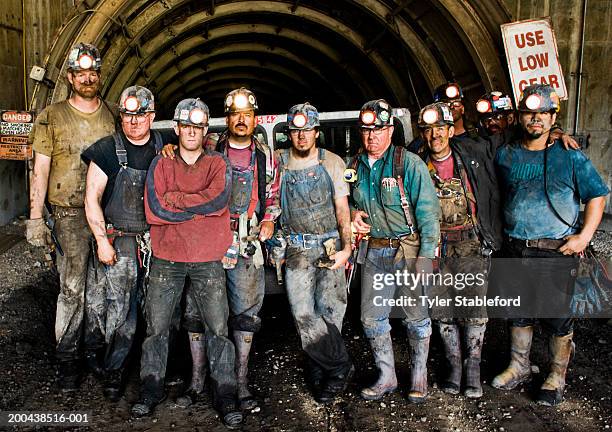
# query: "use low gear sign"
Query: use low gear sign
531,52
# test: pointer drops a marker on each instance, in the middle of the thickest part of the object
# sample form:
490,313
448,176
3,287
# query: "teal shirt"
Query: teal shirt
383,205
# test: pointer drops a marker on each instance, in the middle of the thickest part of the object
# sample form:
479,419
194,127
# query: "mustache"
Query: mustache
535,122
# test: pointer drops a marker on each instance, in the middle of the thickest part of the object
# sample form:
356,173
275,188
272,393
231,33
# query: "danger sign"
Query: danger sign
531,51
14,129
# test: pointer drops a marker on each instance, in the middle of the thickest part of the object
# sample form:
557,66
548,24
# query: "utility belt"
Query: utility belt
543,243
60,211
143,240
393,243
457,235
308,241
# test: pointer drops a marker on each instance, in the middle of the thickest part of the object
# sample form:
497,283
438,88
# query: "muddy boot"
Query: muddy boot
243,341
519,369
112,385
551,392
69,375
452,350
335,384
382,349
197,345
474,335
93,363
315,376
151,394
419,351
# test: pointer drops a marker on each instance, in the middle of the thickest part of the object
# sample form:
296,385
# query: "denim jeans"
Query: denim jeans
374,317
208,289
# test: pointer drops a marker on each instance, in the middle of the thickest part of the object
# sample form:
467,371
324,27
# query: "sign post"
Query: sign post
14,130
531,52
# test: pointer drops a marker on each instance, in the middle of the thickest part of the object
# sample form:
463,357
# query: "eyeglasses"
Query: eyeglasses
495,117
456,104
297,131
140,118
375,131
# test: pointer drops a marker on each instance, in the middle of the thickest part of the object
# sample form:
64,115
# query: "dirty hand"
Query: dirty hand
341,258
37,233
575,244
106,253
360,226
568,141
266,230
168,151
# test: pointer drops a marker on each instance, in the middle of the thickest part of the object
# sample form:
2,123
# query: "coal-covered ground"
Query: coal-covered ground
28,293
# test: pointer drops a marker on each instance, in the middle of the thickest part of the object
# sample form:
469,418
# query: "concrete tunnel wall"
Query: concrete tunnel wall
334,54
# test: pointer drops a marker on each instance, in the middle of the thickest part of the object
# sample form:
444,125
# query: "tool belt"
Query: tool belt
59,211
544,243
308,241
459,235
393,243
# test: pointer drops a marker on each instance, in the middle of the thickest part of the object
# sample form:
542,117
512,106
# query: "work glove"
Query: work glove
37,233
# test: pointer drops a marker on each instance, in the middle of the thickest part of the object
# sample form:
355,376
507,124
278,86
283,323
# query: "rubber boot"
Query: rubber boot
419,351
382,349
243,341
519,369
197,346
551,392
474,337
452,349
69,375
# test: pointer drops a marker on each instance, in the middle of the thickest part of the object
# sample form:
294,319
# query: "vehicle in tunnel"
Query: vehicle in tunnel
338,130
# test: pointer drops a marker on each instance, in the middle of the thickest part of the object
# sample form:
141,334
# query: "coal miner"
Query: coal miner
393,202
464,177
254,208
317,226
452,94
186,204
115,212
61,132
495,113
542,187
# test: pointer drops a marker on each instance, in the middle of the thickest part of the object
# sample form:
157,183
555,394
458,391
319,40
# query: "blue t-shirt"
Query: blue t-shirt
571,179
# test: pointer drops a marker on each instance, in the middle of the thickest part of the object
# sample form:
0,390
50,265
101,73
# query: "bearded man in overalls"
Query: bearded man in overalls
316,224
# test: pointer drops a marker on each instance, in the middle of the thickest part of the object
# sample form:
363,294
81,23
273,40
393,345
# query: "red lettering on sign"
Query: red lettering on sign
552,80
266,119
533,61
529,39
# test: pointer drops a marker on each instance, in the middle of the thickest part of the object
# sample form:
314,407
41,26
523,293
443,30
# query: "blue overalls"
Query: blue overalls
317,295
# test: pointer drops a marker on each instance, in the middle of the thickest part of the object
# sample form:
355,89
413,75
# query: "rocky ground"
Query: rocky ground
28,291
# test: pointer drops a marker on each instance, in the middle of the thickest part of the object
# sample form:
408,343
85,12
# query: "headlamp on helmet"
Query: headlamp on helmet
303,117
436,114
375,114
483,106
83,57
452,91
191,112
136,100
539,98
368,118
448,92
240,100
131,104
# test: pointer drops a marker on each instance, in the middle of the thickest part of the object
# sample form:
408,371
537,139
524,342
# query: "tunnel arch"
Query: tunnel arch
338,53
